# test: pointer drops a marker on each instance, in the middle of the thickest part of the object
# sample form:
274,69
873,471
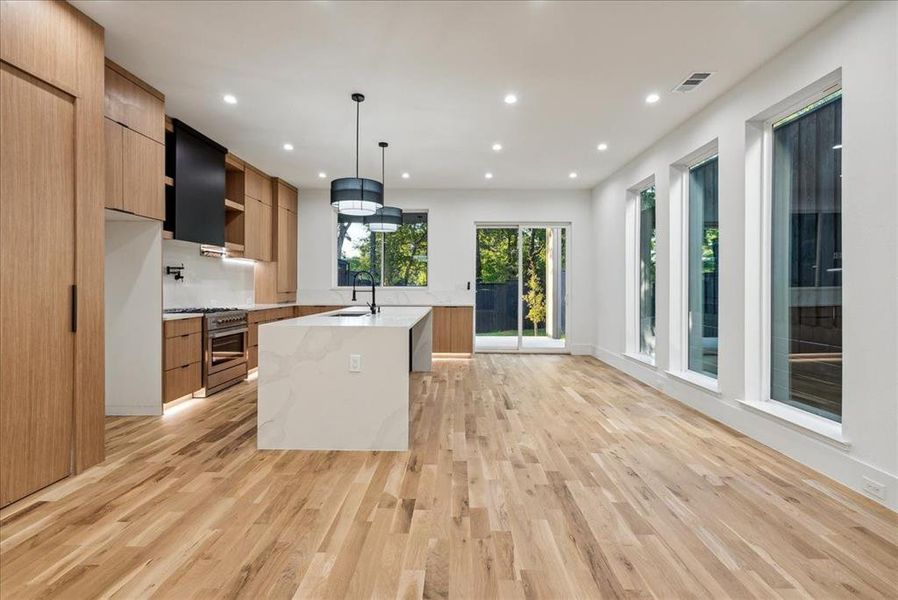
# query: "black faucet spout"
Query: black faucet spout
355,277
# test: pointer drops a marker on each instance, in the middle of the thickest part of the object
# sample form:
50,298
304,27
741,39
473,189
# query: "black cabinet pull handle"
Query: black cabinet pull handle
74,308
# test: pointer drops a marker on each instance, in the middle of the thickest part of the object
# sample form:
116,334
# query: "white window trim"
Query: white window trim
760,166
335,255
633,274
679,268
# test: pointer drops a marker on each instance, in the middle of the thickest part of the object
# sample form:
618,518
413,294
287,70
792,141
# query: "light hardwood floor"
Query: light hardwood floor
529,476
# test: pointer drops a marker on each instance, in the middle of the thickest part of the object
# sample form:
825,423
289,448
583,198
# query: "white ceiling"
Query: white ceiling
435,74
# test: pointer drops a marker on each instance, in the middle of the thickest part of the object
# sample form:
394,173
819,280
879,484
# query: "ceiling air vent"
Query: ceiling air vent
693,81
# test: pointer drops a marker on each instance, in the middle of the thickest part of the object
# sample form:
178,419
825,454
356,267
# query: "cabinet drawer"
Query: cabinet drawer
179,327
252,335
183,350
181,381
252,357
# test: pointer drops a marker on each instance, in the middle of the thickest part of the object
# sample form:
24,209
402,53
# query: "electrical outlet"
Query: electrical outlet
874,488
355,363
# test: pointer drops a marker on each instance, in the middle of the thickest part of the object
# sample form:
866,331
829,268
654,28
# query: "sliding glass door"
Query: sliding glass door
522,283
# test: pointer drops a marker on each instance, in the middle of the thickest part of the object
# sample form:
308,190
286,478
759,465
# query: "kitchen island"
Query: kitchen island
340,380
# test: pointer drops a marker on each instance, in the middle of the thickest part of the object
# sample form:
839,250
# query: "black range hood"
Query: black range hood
194,207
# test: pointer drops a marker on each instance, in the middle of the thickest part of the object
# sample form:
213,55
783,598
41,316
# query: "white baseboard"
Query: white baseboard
802,446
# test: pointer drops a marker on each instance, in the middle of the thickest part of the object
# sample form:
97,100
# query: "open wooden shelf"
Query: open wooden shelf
167,235
169,181
234,247
233,205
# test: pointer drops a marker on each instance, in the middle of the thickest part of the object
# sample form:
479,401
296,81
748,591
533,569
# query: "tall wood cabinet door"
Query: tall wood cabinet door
252,246
143,179
286,250
265,232
37,270
442,329
113,133
462,336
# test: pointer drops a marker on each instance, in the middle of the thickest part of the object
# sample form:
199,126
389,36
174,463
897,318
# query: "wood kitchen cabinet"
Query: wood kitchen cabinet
285,243
135,150
51,247
257,217
134,103
182,357
453,329
257,230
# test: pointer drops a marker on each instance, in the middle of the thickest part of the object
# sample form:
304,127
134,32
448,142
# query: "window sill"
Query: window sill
703,382
822,428
643,359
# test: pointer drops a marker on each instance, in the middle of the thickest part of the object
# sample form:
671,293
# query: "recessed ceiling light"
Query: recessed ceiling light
602,147
652,98
288,147
230,99
405,175
497,147
322,175
510,98
572,174
488,175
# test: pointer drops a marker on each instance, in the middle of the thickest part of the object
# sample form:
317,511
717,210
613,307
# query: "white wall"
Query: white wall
861,40
452,215
133,289
208,281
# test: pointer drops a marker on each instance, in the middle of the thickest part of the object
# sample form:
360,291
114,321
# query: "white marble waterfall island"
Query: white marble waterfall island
332,382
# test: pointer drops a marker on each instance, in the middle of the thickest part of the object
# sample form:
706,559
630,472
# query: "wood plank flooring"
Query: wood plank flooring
529,477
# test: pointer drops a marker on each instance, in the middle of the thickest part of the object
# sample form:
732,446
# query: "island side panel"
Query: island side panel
422,344
309,400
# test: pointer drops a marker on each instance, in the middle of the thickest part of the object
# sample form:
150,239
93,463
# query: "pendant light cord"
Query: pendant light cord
357,105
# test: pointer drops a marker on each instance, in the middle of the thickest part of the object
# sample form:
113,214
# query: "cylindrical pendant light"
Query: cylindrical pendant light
389,218
357,196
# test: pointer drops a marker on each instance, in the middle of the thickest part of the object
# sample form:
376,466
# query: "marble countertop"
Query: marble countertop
390,316
178,316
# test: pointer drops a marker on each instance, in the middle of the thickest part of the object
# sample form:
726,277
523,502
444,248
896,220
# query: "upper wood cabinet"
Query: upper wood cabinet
114,168
135,172
135,144
133,103
257,230
285,243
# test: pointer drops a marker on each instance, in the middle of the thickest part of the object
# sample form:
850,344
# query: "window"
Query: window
704,264
646,228
397,259
806,259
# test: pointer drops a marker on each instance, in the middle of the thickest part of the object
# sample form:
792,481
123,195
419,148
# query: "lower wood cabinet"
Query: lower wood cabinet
260,317
453,329
181,381
182,357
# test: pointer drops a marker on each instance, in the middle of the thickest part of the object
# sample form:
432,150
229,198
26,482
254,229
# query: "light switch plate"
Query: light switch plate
355,363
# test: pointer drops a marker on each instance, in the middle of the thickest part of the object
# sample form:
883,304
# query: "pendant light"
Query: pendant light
389,218
357,196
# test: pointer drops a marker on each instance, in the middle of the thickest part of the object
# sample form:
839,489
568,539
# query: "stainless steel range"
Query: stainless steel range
224,347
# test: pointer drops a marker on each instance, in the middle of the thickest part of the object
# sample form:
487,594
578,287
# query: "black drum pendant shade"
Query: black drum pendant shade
388,218
357,196
385,220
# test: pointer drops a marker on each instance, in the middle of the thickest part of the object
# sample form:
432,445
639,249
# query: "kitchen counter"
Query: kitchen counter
177,316
341,382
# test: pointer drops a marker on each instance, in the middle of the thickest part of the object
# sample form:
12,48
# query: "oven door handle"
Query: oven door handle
217,334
